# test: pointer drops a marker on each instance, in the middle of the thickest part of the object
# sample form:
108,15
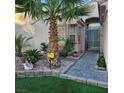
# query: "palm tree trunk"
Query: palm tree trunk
53,39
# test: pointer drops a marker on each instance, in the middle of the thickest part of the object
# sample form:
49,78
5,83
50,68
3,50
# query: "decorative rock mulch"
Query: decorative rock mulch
42,67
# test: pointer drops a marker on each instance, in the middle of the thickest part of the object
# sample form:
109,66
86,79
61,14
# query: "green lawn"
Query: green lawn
51,84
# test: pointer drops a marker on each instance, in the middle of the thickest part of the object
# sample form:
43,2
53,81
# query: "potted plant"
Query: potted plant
31,57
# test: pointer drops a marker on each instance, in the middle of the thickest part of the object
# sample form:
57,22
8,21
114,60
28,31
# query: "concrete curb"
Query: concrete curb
68,67
86,81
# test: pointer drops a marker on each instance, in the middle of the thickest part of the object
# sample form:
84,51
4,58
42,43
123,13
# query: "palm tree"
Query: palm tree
21,43
50,11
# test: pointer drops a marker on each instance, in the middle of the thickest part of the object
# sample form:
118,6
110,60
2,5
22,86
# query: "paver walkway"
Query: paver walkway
85,68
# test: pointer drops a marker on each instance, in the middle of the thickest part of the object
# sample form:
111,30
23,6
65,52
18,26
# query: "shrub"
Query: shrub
101,62
43,47
32,55
69,46
63,53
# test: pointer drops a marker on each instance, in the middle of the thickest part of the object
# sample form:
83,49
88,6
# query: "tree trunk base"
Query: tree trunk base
54,63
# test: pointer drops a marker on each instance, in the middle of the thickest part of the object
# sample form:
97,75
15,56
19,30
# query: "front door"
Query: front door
93,39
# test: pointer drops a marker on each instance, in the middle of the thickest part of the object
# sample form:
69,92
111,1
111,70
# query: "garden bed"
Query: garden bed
42,65
101,64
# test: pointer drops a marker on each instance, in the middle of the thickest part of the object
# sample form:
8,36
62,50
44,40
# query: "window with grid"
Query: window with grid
72,32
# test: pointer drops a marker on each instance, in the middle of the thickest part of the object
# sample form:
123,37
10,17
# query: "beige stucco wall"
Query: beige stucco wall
104,35
83,38
105,39
39,35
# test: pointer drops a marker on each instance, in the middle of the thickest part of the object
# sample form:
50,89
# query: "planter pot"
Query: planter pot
28,66
75,54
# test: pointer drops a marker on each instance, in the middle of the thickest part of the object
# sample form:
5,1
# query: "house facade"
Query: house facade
89,33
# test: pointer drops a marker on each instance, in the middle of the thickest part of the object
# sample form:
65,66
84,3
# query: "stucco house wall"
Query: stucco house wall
39,35
104,35
105,40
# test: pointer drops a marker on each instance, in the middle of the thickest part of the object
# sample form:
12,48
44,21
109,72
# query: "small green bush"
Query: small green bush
101,62
63,53
43,47
32,55
69,46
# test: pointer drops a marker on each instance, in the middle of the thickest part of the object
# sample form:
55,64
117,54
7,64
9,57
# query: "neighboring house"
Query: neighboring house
88,33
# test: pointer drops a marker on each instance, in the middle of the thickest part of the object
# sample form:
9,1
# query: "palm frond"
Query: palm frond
27,39
75,12
32,8
61,9
21,43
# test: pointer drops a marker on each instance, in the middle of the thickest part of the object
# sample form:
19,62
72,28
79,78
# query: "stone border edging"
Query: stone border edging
34,73
86,81
68,67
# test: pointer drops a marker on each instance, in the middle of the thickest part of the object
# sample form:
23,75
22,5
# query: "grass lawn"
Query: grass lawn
51,84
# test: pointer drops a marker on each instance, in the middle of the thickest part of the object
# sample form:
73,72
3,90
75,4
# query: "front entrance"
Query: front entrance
92,39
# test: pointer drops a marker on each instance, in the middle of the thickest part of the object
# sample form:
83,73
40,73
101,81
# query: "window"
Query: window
72,37
61,33
72,32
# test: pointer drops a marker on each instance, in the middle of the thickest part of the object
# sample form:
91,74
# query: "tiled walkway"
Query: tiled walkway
85,68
